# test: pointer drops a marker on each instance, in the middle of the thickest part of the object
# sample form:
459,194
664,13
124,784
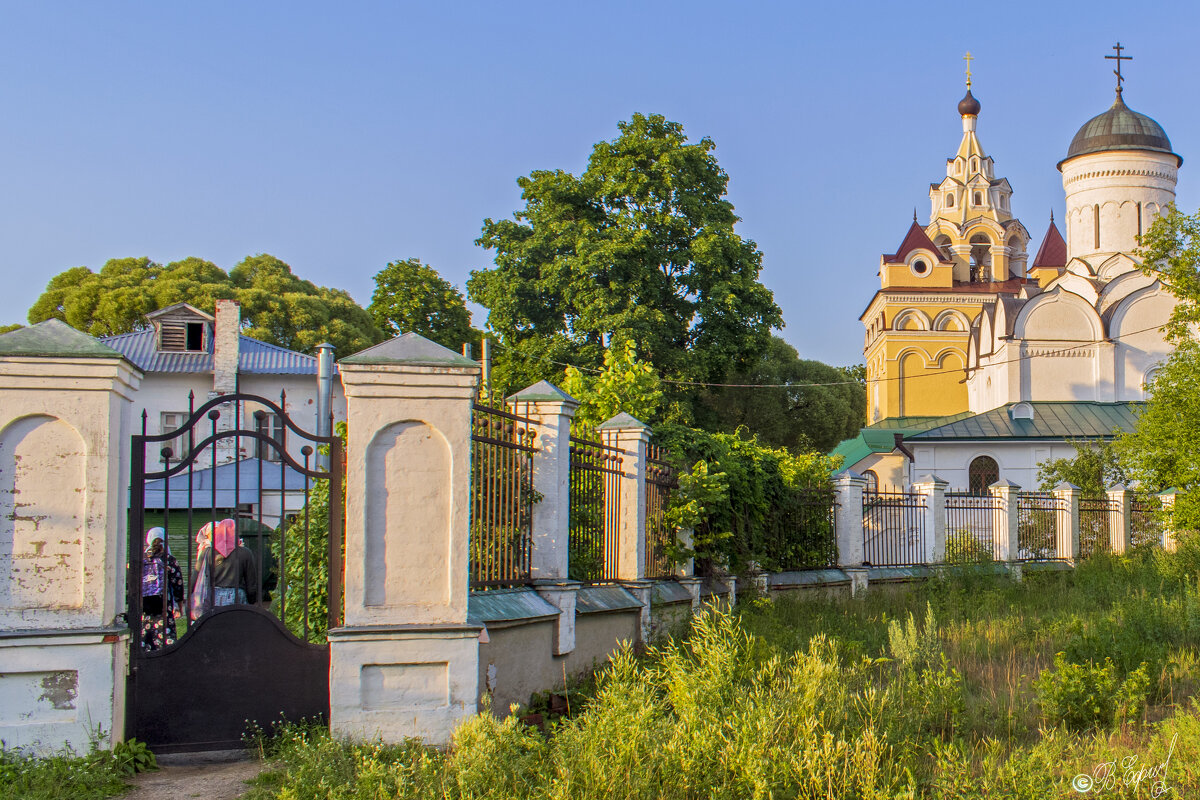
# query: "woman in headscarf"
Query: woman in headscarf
162,591
234,572
200,600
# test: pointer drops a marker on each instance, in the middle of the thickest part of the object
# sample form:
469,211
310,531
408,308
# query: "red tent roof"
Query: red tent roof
1053,252
915,239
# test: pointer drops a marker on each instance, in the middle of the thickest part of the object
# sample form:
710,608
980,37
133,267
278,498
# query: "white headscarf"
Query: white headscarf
156,533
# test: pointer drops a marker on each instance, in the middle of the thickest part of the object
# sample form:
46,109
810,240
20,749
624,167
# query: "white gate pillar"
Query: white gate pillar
1120,521
627,433
1168,524
65,423
406,661
1067,518
552,409
934,490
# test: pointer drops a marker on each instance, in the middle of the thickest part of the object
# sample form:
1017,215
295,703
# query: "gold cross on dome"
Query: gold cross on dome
967,58
1119,58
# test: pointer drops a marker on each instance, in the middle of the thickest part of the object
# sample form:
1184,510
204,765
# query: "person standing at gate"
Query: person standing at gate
234,574
162,591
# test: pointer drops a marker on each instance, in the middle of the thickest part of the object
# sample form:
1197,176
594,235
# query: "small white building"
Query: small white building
189,357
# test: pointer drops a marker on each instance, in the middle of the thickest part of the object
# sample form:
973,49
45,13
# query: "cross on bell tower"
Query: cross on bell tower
1119,58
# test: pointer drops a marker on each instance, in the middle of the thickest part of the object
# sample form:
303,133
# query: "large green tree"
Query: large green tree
412,297
1163,452
277,306
641,247
788,401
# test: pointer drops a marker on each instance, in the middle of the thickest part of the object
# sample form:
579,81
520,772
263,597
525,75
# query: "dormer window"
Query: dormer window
978,199
181,336
949,201
181,328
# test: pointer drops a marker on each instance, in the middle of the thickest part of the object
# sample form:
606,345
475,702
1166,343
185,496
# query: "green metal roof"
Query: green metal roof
53,338
880,437
1051,420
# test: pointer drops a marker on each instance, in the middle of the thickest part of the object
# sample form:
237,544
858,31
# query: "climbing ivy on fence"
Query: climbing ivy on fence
747,502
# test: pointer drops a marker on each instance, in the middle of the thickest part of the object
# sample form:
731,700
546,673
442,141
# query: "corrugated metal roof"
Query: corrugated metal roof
880,437
595,599
255,357
498,605
1051,420
234,482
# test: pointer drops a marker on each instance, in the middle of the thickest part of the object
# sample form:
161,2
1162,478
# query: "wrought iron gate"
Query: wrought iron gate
207,664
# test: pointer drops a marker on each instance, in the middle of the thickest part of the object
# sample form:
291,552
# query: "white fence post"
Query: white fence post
406,661
1067,530
934,490
552,409
65,426
848,526
1005,520
633,437
1168,526
1120,519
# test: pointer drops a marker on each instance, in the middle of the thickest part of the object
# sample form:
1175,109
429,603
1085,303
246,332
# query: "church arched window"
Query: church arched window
981,258
974,165
983,472
949,201
943,244
872,480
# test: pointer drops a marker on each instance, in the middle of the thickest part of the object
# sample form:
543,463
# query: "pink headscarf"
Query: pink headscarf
226,538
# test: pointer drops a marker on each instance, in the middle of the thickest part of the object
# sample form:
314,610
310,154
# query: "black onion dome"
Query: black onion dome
969,106
1119,128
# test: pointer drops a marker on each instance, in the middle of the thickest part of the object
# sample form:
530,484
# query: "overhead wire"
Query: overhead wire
936,373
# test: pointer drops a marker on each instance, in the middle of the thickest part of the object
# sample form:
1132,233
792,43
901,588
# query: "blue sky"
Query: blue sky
341,136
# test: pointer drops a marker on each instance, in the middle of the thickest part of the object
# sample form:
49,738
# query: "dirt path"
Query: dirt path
206,778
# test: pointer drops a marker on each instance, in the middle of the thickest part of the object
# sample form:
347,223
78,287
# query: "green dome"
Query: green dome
1119,128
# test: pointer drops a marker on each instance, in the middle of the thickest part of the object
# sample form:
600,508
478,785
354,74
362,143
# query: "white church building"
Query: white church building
1067,356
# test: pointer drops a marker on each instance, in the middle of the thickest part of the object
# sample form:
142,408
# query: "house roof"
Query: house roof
915,239
1051,420
254,357
235,482
880,437
1053,252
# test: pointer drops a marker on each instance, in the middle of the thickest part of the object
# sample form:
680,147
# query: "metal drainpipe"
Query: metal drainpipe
324,396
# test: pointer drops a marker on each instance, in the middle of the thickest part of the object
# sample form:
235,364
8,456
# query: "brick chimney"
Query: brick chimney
226,342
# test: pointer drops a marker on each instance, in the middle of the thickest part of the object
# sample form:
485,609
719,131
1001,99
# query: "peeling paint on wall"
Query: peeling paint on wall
60,688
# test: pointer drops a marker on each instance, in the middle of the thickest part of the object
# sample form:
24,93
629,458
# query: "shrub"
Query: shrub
1085,696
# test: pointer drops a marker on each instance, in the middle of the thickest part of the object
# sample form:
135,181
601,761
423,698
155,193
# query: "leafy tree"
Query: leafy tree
626,384
9,328
412,297
814,407
277,306
1095,468
641,247
1163,452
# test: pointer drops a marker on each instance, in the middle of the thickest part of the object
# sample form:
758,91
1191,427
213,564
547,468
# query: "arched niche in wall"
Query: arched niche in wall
407,552
43,520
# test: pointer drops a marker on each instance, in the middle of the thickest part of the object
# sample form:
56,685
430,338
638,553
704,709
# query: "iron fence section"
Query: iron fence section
1040,515
971,520
595,499
661,482
893,528
802,531
502,496
1145,521
1097,517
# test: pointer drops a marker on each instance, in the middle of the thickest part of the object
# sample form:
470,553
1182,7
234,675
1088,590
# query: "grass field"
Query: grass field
948,689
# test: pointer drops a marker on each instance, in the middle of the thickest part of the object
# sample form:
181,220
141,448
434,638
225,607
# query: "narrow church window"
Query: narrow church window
1139,208
974,165
949,201
1096,220
983,472
978,199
